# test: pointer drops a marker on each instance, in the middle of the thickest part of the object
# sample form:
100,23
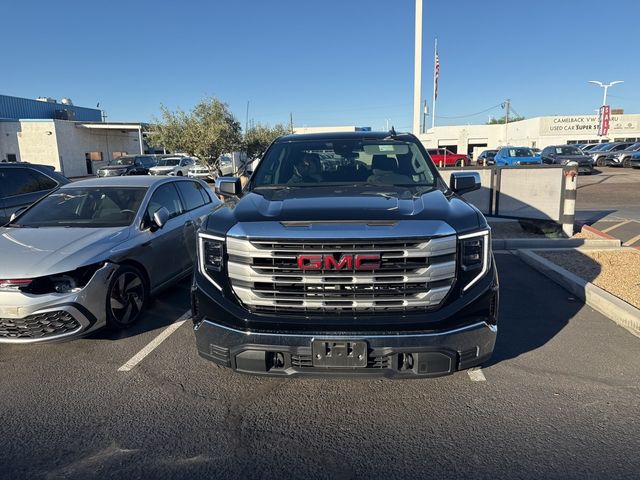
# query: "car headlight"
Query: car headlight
210,256
67,282
475,257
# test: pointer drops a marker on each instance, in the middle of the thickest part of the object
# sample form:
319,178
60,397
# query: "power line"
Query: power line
473,114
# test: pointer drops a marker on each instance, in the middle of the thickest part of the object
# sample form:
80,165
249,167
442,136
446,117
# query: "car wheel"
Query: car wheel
460,163
600,162
626,163
179,174
126,297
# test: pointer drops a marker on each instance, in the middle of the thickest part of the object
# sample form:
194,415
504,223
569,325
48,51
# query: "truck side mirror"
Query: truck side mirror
228,186
464,182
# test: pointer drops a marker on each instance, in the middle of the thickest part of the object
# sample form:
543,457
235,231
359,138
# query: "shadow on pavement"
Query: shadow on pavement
533,309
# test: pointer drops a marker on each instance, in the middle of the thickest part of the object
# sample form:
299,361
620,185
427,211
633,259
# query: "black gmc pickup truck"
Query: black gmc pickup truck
346,254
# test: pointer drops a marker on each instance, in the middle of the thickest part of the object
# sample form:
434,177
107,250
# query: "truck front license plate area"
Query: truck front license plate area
339,354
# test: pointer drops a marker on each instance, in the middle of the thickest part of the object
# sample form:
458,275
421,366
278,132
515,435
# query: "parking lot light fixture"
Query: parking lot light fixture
606,87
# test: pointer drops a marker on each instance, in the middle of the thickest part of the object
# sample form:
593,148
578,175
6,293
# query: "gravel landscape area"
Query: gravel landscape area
616,271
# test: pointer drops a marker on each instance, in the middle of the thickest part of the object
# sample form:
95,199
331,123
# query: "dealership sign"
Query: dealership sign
605,120
590,125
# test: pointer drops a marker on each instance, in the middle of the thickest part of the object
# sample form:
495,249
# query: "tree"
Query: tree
514,118
207,131
260,136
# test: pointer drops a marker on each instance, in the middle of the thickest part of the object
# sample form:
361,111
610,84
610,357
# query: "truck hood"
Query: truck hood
36,252
348,204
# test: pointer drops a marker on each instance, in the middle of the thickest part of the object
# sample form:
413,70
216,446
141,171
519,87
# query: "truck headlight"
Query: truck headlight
210,256
475,257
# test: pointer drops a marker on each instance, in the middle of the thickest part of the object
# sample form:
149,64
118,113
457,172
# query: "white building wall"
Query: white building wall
9,140
37,143
75,142
535,132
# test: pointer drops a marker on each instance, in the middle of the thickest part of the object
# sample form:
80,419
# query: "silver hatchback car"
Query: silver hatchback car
92,252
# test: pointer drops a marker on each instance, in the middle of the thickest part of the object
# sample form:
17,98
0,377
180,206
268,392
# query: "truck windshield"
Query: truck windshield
344,162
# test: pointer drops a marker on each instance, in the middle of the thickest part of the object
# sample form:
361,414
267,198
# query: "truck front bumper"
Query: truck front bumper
391,355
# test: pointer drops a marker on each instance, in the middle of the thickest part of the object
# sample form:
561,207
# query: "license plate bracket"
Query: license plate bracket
339,353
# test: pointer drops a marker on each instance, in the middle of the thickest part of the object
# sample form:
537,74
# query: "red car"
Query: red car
446,158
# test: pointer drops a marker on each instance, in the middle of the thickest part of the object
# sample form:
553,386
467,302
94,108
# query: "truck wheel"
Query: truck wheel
126,297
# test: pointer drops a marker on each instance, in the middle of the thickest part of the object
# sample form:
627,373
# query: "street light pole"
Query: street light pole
605,87
417,69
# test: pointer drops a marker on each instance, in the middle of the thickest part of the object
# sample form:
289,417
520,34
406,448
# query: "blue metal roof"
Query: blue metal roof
16,108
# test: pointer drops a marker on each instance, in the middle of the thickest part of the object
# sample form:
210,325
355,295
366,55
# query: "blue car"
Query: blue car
514,156
634,161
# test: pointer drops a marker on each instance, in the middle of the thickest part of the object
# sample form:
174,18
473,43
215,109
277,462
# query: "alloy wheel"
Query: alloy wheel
126,298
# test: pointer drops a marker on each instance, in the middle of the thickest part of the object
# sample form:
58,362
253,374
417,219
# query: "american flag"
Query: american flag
436,74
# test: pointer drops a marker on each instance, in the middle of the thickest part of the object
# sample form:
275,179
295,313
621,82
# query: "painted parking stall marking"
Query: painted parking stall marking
153,344
476,375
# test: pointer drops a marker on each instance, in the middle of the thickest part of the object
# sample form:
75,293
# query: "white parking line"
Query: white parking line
476,375
153,344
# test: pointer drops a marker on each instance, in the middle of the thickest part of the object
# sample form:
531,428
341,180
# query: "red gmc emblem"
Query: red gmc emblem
345,262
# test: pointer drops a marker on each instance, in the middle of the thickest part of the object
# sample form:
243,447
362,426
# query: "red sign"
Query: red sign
605,120
345,262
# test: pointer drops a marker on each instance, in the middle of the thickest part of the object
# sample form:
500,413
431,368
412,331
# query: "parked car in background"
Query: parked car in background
603,156
634,160
487,157
201,171
536,151
513,156
623,157
589,147
443,156
565,154
127,165
21,184
92,252
178,166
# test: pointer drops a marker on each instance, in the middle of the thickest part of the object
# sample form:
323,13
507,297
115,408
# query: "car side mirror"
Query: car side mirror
161,217
464,182
228,186
16,214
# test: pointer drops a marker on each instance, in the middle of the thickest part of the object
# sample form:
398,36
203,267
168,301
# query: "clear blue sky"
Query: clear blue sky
330,62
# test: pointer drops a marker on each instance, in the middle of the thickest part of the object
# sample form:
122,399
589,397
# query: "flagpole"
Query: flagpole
435,86
417,69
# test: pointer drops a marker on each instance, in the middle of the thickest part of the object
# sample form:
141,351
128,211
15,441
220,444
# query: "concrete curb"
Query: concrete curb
529,243
622,313
601,234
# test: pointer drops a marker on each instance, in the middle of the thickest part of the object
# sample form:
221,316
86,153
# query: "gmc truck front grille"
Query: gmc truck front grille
411,274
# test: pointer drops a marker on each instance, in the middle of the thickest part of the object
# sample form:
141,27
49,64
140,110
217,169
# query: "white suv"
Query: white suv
178,166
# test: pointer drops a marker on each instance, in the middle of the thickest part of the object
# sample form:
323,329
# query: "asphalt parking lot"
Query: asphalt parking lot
559,399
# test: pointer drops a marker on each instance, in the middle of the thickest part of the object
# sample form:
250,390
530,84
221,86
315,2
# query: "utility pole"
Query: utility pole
291,122
425,112
246,122
507,106
417,69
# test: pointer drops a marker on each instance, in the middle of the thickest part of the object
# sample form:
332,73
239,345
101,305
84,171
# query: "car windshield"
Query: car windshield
520,152
168,162
123,161
567,150
344,162
84,207
490,153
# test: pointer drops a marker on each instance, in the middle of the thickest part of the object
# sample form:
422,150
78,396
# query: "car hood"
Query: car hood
114,167
573,158
162,169
347,204
35,252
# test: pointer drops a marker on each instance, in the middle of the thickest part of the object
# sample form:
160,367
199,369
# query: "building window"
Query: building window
12,157
118,154
94,156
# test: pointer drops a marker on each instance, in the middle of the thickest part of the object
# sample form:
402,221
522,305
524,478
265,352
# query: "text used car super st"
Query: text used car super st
346,253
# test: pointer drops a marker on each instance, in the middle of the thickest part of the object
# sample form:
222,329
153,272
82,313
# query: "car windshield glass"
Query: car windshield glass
567,150
168,162
344,162
123,161
85,207
520,152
